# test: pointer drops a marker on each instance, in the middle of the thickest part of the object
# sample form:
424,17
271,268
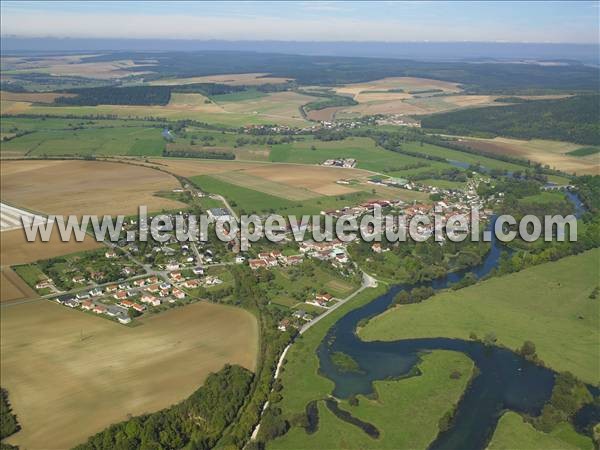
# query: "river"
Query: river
505,379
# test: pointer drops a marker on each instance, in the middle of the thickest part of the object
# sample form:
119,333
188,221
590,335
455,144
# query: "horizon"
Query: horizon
388,22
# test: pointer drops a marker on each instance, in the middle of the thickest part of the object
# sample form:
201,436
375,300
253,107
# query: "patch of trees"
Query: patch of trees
588,188
574,119
198,154
208,89
415,295
329,100
568,396
11,87
250,294
109,95
588,237
197,422
8,421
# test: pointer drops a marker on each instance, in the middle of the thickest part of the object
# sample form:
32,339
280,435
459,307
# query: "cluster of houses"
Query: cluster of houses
295,321
118,312
274,259
346,163
333,251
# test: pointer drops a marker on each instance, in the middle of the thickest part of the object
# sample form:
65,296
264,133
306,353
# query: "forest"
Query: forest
574,119
331,70
134,95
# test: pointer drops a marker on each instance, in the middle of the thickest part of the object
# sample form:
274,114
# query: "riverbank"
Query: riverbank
547,304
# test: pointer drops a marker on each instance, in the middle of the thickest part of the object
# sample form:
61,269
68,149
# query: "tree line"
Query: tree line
196,423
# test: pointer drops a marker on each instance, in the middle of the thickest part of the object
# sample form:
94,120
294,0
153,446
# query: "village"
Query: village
149,277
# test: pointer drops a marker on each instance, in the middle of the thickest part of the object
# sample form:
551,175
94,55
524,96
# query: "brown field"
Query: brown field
280,113
100,70
552,153
234,79
405,83
34,97
187,168
84,187
325,114
320,180
13,107
17,250
420,105
12,287
71,374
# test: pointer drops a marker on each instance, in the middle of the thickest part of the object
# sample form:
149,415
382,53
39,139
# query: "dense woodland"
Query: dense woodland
197,422
141,95
331,70
134,95
8,421
574,119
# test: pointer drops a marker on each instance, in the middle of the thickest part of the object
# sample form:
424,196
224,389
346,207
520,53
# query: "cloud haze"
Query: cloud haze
323,21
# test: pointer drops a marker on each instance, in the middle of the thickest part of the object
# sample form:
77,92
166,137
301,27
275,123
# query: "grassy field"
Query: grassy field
371,157
11,124
364,150
64,367
301,380
417,403
292,286
547,304
90,141
513,433
85,187
245,200
250,94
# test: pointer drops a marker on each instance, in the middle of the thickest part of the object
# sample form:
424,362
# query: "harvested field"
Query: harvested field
224,118
193,102
13,107
407,84
12,287
318,179
325,114
33,97
17,250
84,187
234,79
553,153
99,70
421,105
186,168
64,367
321,180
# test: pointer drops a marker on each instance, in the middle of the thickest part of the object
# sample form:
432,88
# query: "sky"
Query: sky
411,21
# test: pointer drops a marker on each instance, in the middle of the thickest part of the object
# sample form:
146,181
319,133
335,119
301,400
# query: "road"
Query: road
367,282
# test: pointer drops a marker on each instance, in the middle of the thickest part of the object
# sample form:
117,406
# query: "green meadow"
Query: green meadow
512,432
406,411
89,141
547,304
